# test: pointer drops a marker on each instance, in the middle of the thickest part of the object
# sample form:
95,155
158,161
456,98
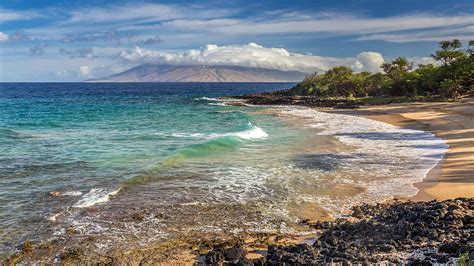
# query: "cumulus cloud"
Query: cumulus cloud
368,61
91,71
79,53
423,61
85,71
3,37
37,50
254,55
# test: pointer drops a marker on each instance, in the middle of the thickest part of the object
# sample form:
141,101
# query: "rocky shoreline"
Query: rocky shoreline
402,233
412,233
285,97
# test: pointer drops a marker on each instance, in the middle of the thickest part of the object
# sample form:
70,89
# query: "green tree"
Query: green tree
401,79
453,77
451,56
374,84
428,79
450,52
397,68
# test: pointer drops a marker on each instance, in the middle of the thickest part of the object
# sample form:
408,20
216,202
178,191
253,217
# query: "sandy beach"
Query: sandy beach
451,121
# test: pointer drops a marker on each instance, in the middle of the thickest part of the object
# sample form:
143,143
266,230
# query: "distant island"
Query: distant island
201,73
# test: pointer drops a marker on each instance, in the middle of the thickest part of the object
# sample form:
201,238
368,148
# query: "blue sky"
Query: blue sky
77,40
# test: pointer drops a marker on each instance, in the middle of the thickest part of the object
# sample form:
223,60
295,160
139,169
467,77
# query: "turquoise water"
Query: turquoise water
76,137
188,163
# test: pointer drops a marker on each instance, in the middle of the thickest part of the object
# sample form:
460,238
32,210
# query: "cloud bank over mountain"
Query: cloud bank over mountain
50,41
254,55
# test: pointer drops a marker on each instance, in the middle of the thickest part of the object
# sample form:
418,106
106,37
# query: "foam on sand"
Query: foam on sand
389,159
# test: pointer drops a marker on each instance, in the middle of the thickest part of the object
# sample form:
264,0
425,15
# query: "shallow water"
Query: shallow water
188,164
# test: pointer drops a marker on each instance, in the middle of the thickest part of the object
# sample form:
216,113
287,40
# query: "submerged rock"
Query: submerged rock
55,193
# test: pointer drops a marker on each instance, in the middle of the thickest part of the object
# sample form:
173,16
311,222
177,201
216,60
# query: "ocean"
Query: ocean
136,163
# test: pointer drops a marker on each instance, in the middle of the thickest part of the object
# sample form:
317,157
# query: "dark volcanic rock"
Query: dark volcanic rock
412,233
228,256
284,97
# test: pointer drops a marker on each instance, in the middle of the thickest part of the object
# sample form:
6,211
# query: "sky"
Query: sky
46,40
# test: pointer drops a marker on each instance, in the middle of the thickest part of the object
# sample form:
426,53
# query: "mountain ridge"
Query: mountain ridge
201,73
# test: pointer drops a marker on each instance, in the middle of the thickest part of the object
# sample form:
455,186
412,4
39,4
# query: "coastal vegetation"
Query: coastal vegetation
449,78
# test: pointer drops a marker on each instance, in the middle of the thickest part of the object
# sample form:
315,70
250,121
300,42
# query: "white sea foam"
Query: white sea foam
54,217
210,99
72,193
206,99
392,158
219,101
95,196
253,132
218,104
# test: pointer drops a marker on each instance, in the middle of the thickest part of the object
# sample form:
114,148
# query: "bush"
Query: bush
453,78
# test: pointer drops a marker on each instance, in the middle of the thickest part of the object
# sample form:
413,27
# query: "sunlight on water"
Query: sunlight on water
105,150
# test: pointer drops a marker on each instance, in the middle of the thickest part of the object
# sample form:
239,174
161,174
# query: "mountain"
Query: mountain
201,73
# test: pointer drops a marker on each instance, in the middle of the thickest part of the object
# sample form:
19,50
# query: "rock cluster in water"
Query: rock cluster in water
413,233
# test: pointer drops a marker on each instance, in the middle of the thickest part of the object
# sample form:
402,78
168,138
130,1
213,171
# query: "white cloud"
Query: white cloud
464,33
254,55
422,61
169,20
9,15
369,61
79,53
144,12
3,37
85,71
332,23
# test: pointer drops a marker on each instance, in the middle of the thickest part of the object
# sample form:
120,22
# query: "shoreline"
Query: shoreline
438,184
453,176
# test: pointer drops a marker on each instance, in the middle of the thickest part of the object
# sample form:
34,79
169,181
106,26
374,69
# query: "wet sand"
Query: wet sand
454,122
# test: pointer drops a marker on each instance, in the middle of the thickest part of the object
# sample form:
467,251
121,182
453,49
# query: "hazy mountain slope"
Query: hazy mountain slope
185,73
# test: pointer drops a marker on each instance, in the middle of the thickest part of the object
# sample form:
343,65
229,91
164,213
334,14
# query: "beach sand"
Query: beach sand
454,122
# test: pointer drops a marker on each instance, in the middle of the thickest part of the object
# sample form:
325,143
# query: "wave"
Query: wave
218,104
220,101
182,135
208,148
206,99
402,156
251,133
217,143
95,196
